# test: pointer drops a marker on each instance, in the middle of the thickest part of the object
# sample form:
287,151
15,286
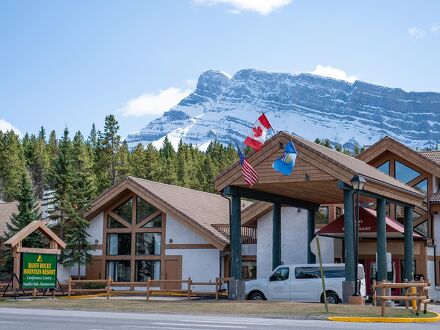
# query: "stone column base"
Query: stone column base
347,291
356,300
236,290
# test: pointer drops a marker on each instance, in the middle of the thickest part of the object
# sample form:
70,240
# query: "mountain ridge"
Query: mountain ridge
223,108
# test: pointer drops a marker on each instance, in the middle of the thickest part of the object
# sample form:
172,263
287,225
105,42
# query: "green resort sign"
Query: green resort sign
38,271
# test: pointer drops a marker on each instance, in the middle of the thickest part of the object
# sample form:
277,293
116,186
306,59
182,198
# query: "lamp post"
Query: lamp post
358,183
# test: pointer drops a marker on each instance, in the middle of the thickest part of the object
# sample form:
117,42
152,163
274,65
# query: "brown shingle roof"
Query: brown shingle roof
201,209
432,155
435,198
6,211
355,165
204,208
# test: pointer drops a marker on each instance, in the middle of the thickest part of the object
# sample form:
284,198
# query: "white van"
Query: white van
302,283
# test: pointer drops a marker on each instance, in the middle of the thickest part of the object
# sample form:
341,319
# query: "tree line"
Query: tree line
74,170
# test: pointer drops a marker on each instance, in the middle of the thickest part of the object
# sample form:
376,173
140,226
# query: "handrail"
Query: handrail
149,284
414,291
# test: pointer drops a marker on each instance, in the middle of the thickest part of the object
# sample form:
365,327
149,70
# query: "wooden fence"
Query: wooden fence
412,291
152,287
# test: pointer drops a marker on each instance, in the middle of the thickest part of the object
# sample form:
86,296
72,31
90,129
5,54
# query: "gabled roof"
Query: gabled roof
200,210
433,155
6,212
316,172
30,228
368,226
428,161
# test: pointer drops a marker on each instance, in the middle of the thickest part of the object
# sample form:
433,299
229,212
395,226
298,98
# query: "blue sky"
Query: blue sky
72,62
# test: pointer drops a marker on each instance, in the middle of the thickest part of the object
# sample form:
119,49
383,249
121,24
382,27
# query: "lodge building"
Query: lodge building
140,228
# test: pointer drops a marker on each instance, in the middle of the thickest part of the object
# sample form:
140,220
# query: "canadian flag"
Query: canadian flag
258,134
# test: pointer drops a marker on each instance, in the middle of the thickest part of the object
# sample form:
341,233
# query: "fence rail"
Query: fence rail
413,291
152,286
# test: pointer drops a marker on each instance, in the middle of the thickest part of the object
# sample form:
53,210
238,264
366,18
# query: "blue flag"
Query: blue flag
286,163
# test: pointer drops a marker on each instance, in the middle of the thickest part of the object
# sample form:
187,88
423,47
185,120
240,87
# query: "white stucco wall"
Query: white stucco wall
95,231
202,265
293,240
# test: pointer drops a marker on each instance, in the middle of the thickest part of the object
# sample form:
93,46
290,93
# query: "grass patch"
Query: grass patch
210,307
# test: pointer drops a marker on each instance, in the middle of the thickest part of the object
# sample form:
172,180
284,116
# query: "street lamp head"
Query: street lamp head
358,182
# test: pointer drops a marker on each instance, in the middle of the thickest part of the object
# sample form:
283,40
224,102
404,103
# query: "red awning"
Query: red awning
367,226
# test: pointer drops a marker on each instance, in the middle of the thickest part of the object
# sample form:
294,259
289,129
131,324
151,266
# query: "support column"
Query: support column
236,287
408,245
276,235
311,258
381,240
348,284
236,236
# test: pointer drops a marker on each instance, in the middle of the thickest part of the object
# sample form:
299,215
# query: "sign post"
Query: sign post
34,268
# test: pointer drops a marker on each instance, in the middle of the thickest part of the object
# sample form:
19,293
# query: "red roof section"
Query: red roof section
367,226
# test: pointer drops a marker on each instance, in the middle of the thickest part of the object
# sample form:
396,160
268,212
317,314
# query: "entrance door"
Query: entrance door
173,271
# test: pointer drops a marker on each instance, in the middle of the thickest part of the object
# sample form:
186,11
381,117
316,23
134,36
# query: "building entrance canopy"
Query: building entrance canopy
367,226
320,176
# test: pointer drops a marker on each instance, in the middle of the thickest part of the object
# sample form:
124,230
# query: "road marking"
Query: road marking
202,325
230,322
150,327
10,322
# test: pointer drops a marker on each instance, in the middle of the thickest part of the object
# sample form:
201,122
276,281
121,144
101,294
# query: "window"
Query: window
125,210
148,243
400,214
307,272
281,274
119,244
422,186
119,270
422,228
147,268
321,215
249,269
385,168
329,272
338,212
156,222
113,223
405,173
143,209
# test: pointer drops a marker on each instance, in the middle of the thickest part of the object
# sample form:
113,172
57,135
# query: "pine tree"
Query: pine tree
78,249
71,197
12,165
106,153
28,211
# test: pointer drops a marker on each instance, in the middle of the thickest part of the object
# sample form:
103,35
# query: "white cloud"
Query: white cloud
328,71
263,7
154,103
7,126
416,33
435,28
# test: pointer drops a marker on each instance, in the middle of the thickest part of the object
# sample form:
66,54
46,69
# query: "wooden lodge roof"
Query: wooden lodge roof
316,173
30,228
433,155
200,210
427,160
6,211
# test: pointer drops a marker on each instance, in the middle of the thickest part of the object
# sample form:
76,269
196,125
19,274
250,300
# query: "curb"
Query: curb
363,319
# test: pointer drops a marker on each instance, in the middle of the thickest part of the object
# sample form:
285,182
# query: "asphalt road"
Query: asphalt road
36,319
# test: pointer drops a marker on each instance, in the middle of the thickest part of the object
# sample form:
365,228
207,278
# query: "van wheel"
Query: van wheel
256,295
332,298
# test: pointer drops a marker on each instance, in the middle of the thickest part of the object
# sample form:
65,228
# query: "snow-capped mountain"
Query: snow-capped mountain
224,108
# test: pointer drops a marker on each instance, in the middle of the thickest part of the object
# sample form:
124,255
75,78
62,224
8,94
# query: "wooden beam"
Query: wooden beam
269,197
38,250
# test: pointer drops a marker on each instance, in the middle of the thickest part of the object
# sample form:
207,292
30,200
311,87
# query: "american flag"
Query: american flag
250,175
